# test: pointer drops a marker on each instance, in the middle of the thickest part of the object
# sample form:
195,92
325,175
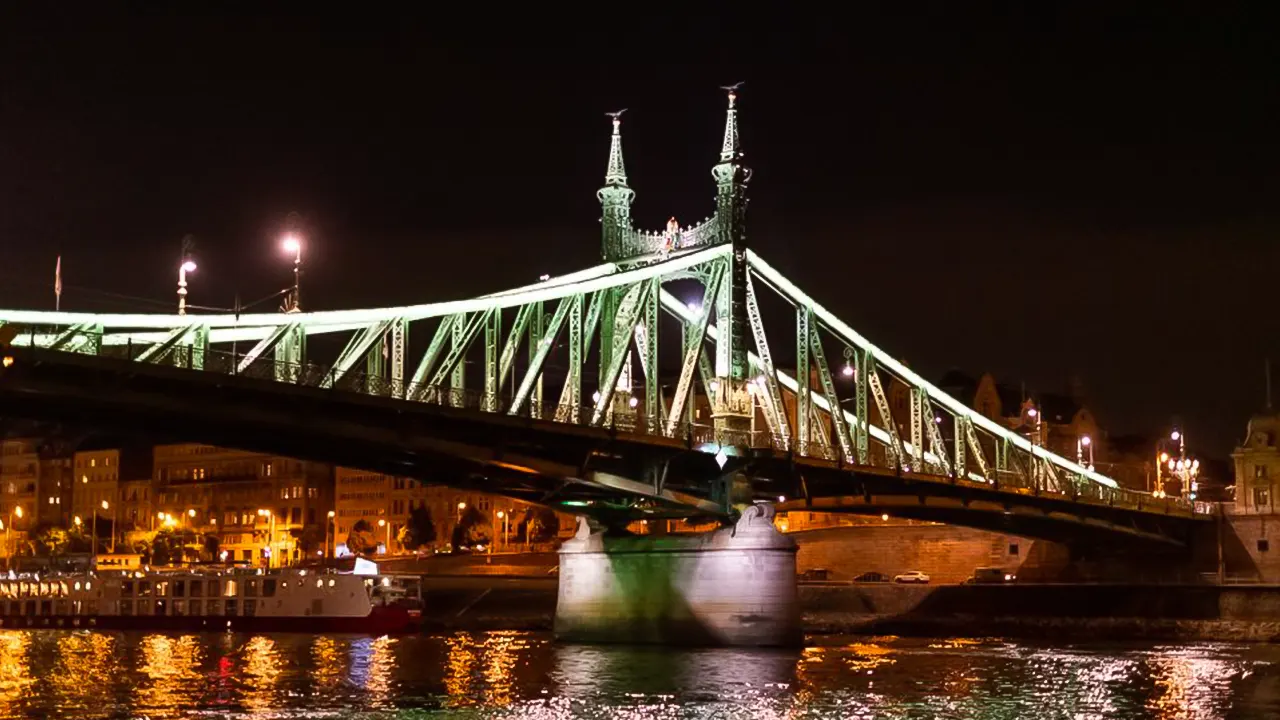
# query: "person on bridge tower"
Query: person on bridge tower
671,240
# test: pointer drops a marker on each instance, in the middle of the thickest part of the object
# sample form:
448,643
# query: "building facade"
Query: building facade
260,508
385,503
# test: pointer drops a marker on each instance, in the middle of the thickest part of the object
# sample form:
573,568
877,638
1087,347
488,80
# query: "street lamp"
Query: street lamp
506,529
1181,468
1084,444
107,506
187,266
292,244
271,535
328,527
383,523
8,529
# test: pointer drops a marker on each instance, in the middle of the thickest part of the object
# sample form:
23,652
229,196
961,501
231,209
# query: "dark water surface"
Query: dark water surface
526,675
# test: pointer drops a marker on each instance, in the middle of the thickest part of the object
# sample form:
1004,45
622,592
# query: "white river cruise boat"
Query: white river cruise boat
241,600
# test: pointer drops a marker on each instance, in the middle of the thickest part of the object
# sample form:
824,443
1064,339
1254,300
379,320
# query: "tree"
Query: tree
308,539
360,541
472,529
419,531
542,524
212,544
50,540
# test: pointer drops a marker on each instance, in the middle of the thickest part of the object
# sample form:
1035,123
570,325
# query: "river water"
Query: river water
46,674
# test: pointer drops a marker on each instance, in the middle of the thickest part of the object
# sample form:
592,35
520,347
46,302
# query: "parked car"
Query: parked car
815,574
990,576
911,576
871,577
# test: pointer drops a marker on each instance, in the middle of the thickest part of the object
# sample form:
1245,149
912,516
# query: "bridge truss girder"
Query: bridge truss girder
602,322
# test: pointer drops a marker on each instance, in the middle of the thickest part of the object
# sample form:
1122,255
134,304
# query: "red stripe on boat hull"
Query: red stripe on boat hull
382,621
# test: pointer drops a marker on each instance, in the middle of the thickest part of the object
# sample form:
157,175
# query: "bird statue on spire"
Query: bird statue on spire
616,114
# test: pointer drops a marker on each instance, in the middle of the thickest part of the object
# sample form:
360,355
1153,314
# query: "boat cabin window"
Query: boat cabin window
197,588
126,588
268,588
179,588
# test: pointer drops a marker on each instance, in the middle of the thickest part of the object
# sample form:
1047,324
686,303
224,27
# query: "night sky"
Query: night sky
1039,195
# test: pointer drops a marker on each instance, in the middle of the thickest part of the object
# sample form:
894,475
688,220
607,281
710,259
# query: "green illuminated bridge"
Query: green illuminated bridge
644,386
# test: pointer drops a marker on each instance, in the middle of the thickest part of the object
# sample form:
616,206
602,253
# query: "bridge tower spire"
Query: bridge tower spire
615,197
733,405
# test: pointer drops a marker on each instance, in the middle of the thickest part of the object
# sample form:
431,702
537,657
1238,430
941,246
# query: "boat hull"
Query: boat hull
381,621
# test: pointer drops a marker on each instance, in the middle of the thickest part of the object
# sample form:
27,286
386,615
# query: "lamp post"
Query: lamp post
292,243
505,517
1084,446
186,267
1182,468
328,527
382,523
108,506
8,530
271,535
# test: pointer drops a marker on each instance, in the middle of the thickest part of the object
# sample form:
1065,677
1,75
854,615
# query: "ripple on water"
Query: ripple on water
526,675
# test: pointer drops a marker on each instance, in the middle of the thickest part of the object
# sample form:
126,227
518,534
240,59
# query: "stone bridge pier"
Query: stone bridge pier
731,586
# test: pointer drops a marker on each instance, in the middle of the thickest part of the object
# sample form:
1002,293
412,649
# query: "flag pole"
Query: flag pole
57,285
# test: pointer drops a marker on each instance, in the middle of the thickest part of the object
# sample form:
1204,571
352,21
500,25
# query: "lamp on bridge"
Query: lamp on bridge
187,266
1182,468
292,244
1084,443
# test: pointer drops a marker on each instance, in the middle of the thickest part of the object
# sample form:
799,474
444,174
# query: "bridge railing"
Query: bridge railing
622,417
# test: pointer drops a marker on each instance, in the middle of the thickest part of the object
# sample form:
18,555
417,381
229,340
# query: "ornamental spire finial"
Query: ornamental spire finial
616,174
730,149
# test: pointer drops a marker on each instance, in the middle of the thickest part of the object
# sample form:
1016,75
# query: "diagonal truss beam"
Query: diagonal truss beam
695,336
534,372
629,311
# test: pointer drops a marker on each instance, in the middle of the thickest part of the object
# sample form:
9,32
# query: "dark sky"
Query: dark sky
1038,194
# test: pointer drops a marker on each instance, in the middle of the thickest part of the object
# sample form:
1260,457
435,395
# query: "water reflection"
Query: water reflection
85,670
523,675
260,674
15,671
170,668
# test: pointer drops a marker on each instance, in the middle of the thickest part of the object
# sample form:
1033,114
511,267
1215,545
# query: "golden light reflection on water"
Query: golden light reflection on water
15,676
261,670
502,650
171,668
480,668
87,667
382,665
330,661
1187,685
459,664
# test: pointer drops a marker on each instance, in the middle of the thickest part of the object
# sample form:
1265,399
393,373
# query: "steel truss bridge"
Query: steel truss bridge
605,390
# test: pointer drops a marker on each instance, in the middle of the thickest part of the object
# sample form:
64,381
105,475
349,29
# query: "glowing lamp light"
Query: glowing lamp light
1031,412
695,308
633,402
1086,440
595,396
782,498
847,370
1175,435
188,266
885,517
8,361
1164,457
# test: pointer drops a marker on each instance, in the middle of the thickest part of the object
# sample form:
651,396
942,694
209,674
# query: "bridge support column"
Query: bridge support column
732,586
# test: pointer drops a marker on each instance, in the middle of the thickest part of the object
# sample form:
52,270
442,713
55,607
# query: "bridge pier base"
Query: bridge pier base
731,586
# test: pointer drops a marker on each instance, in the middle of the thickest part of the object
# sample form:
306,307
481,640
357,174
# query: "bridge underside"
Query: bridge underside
611,475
